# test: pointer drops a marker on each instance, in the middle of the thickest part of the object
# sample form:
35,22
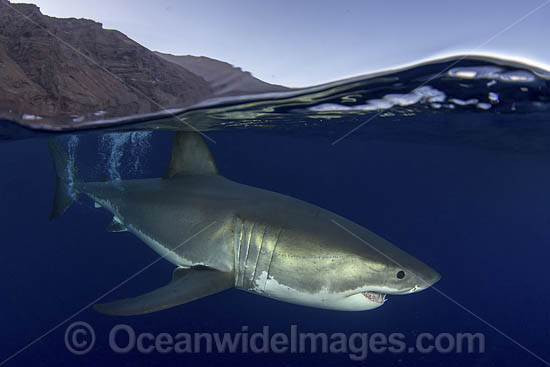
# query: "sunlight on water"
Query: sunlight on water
488,102
492,72
424,94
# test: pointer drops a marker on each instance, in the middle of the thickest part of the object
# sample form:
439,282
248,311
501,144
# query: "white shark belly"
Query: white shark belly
322,299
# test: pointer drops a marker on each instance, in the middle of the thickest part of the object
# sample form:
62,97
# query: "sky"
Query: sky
303,43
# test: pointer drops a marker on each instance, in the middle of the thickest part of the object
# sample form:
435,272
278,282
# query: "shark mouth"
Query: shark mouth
375,297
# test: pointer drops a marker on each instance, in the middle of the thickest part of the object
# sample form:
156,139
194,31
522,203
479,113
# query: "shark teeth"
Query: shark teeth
375,297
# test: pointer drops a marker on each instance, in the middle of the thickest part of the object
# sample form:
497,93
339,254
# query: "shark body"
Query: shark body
221,234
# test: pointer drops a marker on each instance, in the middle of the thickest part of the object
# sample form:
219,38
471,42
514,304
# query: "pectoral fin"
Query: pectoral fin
187,286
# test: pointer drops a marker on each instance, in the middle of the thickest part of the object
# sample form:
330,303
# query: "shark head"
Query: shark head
375,268
337,264
372,278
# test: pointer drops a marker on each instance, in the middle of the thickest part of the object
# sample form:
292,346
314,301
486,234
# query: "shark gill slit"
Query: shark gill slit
271,257
248,249
244,246
238,245
259,252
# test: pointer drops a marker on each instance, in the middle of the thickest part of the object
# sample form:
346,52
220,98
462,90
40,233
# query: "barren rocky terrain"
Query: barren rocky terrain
66,68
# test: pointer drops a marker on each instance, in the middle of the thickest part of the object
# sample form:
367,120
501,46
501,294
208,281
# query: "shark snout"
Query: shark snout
424,279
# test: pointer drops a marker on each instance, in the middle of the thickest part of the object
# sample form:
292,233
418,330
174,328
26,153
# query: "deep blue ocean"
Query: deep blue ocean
466,192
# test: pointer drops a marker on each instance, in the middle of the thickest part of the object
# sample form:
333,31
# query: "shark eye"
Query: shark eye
400,274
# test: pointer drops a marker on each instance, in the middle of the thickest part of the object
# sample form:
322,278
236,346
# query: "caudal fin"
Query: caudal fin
65,194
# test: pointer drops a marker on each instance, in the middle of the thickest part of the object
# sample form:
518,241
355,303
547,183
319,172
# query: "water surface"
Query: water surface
448,160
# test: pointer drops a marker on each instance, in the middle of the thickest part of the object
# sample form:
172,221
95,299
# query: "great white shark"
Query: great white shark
222,234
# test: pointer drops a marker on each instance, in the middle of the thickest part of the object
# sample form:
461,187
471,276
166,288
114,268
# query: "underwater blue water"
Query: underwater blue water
479,217
467,193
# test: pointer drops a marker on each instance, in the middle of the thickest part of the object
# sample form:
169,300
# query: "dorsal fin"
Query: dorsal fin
190,156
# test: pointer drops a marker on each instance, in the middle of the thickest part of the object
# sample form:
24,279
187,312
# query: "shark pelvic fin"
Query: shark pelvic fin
187,285
180,272
190,156
116,226
65,194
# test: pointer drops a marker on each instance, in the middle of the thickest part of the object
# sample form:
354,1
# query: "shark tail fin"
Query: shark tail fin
65,173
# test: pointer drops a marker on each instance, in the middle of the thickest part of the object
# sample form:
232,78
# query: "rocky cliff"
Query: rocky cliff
61,67
224,78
